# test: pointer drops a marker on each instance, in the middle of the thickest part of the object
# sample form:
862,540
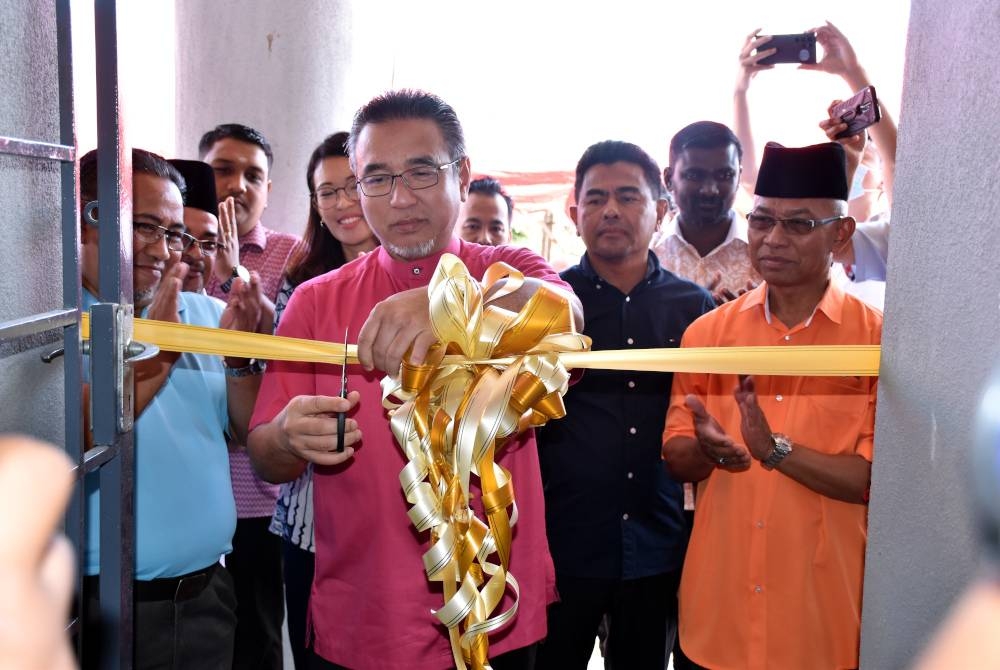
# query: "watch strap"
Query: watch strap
781,447
255,367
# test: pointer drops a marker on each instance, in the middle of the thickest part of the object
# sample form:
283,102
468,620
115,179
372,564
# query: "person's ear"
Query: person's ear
573,213
661,211
667,173
464,177
843,233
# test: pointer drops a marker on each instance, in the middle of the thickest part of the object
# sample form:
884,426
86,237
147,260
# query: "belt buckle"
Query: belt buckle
189,587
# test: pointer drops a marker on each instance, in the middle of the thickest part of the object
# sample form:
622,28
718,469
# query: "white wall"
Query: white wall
942,326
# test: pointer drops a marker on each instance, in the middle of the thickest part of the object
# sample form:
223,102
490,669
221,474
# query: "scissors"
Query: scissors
342,416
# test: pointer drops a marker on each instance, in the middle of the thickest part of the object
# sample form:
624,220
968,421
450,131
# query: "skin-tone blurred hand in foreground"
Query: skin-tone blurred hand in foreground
36,564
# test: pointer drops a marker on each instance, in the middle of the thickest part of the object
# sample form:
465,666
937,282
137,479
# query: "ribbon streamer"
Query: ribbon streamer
817,361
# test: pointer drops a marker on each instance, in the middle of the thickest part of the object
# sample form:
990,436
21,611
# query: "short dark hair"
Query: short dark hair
614,151
408,103
704,135
320,251
143,162
236,131
492,186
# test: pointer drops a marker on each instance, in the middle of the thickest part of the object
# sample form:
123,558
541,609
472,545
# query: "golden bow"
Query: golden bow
451,417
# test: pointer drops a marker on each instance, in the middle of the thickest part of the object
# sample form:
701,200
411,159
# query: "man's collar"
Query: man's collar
831,304
256,237
587,268
420,268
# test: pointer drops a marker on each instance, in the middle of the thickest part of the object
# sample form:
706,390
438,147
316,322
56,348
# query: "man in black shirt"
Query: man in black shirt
614,518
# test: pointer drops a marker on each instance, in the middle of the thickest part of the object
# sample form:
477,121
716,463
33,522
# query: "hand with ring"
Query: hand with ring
715,444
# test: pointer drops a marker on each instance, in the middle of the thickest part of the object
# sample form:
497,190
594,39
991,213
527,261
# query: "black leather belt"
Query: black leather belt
178,589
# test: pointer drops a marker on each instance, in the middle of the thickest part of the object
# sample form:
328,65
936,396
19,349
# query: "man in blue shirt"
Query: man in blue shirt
614,518
184,403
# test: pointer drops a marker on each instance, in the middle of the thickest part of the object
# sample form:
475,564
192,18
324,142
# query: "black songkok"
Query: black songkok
200,180
819,171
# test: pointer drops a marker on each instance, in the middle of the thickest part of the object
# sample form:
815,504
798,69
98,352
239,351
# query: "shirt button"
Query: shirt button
787,338
631,384
760,524
630,475
625,517
630,341
598,286
632,430
628,299
758,589
779,397
416,271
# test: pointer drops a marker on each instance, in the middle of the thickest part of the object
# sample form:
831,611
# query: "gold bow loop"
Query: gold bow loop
452,415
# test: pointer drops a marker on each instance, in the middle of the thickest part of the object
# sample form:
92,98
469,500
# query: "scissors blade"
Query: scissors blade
342,416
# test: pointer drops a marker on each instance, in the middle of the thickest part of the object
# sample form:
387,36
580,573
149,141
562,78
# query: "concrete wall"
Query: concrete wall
31,392
280,68
942,326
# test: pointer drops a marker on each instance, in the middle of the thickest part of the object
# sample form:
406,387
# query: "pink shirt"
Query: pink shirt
371,602
266,252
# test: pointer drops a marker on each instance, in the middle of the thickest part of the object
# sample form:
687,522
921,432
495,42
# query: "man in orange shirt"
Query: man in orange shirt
772,577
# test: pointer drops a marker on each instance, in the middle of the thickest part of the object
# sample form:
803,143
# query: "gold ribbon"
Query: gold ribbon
451,416
815,361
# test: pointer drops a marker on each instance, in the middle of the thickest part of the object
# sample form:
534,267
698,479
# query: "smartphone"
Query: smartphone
800,48
858,112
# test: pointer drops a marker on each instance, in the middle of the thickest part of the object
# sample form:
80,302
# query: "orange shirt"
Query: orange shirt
772,577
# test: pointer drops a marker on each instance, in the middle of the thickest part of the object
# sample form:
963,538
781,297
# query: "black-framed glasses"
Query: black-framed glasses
326,196
424,176
765,222
208,247
150,233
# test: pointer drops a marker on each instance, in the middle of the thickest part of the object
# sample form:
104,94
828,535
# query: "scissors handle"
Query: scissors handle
341,418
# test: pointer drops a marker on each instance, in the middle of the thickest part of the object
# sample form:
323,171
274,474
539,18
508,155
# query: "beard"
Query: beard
142,297
413,252
706,213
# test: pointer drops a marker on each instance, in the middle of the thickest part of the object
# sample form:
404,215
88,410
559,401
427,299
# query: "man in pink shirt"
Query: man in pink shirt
371,602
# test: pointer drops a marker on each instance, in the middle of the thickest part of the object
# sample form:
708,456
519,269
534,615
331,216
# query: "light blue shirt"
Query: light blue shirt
184,508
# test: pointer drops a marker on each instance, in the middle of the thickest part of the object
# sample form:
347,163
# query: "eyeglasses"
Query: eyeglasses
150,233
377,185
326,197
765,222
208,247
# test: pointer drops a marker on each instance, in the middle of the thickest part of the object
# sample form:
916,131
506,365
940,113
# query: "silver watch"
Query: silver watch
781,447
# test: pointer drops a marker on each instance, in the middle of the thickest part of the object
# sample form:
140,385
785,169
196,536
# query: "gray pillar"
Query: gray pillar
280,67
30,256
942,327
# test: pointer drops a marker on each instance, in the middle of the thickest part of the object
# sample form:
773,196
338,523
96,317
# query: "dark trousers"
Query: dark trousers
515,659
255,564
299,567
641,619
193,630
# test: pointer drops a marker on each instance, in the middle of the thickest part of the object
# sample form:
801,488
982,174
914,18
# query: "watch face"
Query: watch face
782,444
242,273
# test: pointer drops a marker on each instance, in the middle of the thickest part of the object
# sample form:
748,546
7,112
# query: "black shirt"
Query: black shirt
611,509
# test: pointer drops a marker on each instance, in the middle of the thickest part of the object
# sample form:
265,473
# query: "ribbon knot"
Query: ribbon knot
452,416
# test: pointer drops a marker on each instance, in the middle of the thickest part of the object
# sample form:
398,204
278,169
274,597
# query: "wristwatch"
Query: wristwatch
238,271
255,367
781,447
